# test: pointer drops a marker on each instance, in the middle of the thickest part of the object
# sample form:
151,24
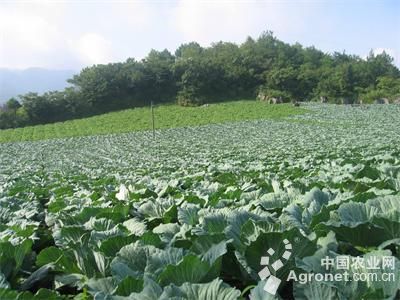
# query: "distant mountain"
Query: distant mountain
17,82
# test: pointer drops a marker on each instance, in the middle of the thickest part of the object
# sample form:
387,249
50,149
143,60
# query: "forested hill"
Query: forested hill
194,75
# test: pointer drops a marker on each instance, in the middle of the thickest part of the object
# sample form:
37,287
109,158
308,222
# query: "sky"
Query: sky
74,34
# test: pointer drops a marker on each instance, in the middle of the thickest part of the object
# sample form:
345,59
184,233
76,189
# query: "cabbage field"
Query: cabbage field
190,214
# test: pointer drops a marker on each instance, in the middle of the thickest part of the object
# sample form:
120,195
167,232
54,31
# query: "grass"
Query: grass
138,119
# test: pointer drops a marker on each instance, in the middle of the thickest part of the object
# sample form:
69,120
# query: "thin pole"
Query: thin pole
152,120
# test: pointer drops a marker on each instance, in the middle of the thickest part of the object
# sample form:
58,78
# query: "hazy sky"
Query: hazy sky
73,34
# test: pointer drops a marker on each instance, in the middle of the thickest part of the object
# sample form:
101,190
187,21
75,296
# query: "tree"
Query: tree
189,50
284,80
158,68
12,104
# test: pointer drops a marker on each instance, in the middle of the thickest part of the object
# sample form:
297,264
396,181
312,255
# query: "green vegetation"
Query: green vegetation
266,68
189,215
166,116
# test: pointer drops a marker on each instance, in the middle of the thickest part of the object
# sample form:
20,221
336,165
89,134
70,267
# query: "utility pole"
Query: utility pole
152,121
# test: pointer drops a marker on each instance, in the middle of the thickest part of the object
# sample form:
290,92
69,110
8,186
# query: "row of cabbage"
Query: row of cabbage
189,215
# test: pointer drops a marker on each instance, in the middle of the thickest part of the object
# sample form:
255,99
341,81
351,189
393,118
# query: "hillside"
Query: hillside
166,116
266,68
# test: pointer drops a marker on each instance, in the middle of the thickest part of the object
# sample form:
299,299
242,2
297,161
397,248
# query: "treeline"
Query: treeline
265,67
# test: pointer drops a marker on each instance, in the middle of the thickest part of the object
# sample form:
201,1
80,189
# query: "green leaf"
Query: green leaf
366,224
129,285
301,247
3,282
63,260
8,294
68,234
47,295
241,229
12,257
112,245
214,223
70,280
151,291
41,277
150,238
104,285
188,214
258,293
210,247
315,291
214,290
131,260
190,269
160,259
135,226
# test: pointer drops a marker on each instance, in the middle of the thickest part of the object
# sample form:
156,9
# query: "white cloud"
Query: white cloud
211,21
205,22
133,13
73,34
92,48
25,38
27,31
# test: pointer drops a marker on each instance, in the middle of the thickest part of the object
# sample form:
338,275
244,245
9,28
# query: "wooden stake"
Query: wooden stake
152,120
